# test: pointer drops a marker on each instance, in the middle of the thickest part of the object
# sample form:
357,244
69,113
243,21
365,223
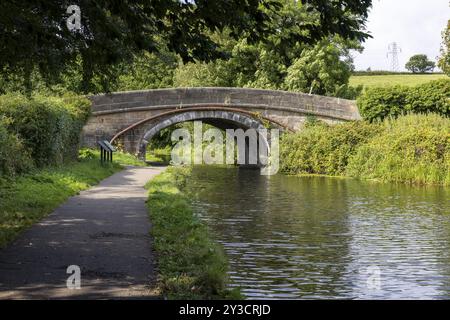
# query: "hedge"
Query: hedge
48,128
380,103
14,158
323,149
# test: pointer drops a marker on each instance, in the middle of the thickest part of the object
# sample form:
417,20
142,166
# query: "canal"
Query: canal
324,238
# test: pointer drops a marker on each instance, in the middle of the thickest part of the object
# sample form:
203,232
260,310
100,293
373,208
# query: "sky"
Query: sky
416,25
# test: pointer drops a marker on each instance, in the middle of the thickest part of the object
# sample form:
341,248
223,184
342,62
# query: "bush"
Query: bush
323,149
348,92
380,103
49,127
413,148
14,158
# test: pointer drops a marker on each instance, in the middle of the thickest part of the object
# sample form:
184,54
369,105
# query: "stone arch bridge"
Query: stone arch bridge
133,117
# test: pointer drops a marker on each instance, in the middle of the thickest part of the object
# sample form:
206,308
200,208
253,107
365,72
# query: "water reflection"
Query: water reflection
292,237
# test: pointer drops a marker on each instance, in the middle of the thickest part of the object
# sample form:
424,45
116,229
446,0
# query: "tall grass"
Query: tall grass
410,149
323,149
190,264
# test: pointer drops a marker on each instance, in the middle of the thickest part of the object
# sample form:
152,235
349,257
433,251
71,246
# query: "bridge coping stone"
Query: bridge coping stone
272,99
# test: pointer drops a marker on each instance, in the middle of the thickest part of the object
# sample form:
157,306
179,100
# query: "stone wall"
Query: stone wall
245,98
114,112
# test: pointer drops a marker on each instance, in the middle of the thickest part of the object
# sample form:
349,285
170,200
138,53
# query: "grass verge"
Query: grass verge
26,199
190,264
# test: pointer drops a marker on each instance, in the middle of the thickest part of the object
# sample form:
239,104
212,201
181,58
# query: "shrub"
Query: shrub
49,127
86,154
14,158
348,92
323,149
380,103
413,148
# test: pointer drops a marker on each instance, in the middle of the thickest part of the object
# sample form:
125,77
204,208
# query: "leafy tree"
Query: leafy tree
320,70
148,71
419,63
212,74
35,35
444,60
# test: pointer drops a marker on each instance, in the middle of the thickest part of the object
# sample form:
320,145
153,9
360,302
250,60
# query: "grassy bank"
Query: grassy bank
27,198
412,149
391,80
190,264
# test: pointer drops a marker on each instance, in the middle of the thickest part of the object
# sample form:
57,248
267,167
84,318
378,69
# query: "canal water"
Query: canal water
326,238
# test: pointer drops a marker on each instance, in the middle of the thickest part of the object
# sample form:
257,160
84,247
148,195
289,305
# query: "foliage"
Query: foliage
323,149
276,63
148,71
444,59
14,157
412,149
127,159
319,70
87,154
26,199
159,156
202,75
190,264
379,103
261,64
346,91
114,32
48,126
419,63
249,65
118,157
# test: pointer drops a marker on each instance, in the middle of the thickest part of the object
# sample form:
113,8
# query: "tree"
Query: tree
212,74
444,60
34,34
320,70
148,71
419,63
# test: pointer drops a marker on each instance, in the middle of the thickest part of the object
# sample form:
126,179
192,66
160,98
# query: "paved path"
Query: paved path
104,230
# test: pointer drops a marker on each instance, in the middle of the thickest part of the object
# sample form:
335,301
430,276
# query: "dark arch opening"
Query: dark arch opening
219,119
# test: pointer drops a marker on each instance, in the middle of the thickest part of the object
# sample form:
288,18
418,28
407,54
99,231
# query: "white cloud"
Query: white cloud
416,26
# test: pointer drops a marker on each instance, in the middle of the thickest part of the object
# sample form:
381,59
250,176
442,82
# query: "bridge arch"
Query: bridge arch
223,119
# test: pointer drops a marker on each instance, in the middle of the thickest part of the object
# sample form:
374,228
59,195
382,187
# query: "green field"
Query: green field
390,80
